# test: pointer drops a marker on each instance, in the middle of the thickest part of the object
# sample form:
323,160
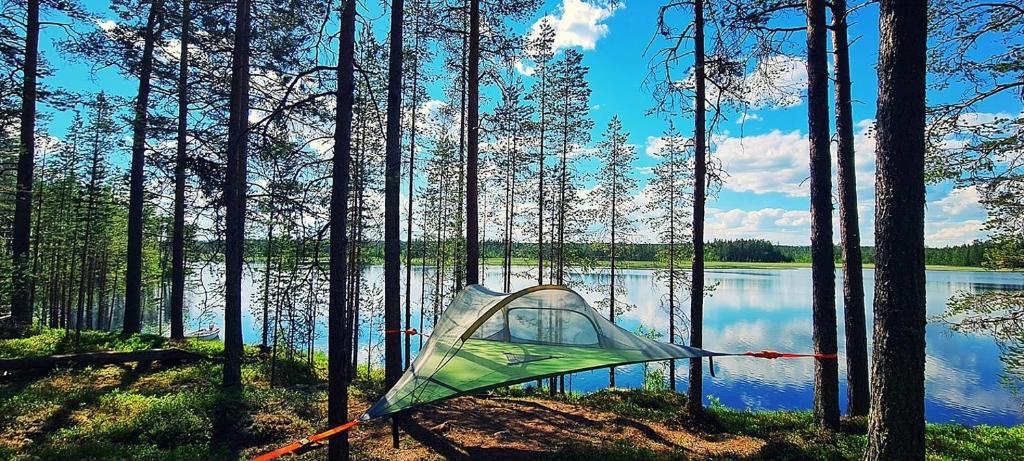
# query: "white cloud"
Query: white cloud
938,234
774,224
747,159
525,69
579,23
961,201
748,117
778,81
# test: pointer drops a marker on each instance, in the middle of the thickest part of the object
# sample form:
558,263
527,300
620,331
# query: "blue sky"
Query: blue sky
764,194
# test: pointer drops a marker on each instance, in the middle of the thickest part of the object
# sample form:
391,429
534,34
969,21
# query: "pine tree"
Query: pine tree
896,425
614,199
673,179
540,49
826,372
570,111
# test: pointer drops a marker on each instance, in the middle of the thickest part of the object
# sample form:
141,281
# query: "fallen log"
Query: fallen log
101,358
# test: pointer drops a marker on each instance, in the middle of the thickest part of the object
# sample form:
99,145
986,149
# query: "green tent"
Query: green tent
486,339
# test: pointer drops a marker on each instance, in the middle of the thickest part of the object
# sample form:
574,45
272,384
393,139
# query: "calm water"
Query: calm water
762,309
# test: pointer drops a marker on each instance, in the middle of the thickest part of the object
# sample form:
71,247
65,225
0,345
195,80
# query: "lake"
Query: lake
755,310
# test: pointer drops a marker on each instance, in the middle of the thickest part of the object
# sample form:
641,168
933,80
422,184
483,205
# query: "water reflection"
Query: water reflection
754,310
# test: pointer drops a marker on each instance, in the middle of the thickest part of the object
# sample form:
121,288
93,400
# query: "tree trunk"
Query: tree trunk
695,396
235,187
392,184
672,272
178,231
339,331
611,286
858,399
21,309
472,158
268,257
136,194
896,420
36,243
412,177
826,372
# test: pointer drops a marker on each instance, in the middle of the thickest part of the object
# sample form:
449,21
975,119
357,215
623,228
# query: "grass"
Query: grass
791,434
180,412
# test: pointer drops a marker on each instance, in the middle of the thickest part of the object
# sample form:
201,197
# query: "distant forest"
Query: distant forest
742,250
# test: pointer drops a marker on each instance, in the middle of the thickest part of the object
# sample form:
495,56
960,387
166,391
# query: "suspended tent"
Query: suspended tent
486,339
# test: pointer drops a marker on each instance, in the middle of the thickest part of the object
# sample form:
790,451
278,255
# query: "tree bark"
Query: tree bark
136,194
21,307
178,230
339,331
473,154
235,187
858,399
695,396
896,420
826,372
412,178
392,184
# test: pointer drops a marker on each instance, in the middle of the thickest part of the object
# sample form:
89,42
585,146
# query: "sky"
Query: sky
765,193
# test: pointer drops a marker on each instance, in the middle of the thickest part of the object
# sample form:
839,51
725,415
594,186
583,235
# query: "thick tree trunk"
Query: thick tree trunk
136,194
896,420
392,184
21,308
339,331
858,399
235,187
826,372
695,396
178,231
473,154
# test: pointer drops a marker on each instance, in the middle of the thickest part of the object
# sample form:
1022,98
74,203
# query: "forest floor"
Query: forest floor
171,412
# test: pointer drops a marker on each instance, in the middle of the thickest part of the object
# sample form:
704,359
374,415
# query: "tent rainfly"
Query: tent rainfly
486,339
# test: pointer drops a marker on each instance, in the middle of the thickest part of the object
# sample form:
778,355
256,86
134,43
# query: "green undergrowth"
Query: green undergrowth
789,434
157,412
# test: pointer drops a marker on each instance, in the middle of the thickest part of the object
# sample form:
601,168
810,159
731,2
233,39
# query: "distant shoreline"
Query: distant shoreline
525,262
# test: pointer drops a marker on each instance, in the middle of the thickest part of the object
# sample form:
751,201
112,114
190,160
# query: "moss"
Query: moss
659,406
174,412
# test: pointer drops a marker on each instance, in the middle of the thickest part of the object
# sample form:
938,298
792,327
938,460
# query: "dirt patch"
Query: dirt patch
471,428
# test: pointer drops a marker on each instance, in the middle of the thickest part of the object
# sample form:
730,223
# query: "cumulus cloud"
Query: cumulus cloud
959,202
746,159
947,233
778,81
579,23
748,117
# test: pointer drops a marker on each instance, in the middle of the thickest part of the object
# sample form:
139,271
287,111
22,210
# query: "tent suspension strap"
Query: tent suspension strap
409,331
311,440
788,355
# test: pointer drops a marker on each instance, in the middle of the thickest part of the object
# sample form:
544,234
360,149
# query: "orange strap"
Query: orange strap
787,355
410,332
294,446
